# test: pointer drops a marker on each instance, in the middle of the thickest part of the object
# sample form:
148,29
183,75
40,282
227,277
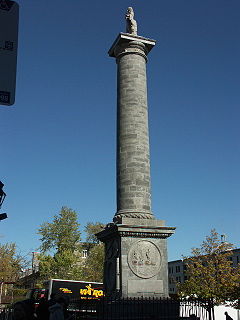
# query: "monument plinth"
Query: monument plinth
135,243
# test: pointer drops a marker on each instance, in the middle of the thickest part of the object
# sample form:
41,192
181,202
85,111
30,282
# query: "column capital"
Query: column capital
127,43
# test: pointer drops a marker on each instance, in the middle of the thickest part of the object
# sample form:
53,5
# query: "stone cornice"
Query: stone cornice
124,39
123,230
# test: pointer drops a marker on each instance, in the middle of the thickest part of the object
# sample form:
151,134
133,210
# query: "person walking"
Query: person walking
58,310
24,310
42,311
228,316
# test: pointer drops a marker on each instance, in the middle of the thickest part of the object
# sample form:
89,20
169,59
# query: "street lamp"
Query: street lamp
2,194
2,197
3,216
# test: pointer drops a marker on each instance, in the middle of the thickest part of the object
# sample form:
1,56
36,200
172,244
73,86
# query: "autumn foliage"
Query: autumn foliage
210,273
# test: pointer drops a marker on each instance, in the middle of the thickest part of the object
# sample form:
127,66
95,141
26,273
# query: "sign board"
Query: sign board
9,12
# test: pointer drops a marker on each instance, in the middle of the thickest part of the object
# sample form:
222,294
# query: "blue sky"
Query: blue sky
58,140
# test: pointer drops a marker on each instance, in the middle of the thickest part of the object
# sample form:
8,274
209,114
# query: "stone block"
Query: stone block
143,287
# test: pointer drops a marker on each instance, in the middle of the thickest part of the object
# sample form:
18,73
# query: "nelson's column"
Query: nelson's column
135,243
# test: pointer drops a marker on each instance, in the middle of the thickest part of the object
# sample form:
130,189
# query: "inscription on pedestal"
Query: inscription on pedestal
144,259
143,286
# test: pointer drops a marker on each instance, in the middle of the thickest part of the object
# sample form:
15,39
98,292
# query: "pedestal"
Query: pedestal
136,258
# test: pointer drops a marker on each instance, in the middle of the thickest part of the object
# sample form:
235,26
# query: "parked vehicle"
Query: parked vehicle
72,289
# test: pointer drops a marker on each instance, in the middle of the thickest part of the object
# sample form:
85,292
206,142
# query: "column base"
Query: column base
136,263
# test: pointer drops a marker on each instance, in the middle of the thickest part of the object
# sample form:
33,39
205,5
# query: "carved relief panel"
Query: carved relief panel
144,259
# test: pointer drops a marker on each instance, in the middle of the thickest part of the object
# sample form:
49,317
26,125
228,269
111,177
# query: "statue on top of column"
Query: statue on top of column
131,23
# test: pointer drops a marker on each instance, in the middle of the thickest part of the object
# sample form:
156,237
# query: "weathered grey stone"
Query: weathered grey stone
142,287
140,252
131,24
135,244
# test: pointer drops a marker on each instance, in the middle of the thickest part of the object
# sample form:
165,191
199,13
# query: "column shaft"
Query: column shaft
133,159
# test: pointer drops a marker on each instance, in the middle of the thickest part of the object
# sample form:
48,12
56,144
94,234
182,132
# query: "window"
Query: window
177,269
171,280
170,269
231,259
84,254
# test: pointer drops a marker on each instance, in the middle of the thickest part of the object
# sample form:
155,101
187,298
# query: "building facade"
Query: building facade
177,270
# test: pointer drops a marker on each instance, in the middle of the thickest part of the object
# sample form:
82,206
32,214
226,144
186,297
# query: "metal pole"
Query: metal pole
117,275
1,286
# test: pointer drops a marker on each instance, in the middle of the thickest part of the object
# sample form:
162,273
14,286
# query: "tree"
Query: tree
61,249
93,267
62,237
11,263
63,265
61,234
209,271
91,229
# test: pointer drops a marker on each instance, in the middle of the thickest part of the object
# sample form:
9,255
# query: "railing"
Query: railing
134,309
6,314
141,309
201,309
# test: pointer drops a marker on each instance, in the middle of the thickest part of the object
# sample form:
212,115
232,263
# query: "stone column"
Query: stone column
135,244
133,160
